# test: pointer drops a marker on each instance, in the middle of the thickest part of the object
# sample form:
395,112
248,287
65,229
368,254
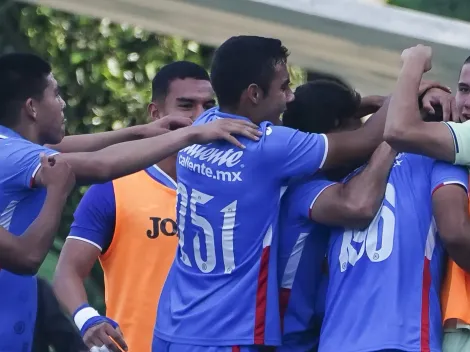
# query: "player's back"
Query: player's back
19,206
301,253
384,284
222,288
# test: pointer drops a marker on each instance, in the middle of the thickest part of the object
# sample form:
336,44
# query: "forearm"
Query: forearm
97,141
25,254
403,113
370,105
69,289
366,190
126,158
352,147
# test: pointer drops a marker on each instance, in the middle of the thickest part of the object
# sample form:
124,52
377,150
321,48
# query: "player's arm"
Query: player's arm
369,105
345,148
450,204
355,203
126,158
405,131
96,141
24,254
91,231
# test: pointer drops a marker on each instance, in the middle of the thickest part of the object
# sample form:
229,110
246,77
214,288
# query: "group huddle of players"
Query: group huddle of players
310,232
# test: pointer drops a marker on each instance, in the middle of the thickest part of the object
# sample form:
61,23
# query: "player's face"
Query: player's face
50,114
186,97
279,94
462,98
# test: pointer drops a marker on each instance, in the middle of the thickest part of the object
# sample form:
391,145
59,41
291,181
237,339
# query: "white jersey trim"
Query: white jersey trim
293,262
326,150
85,240
33,176
319,194
166,176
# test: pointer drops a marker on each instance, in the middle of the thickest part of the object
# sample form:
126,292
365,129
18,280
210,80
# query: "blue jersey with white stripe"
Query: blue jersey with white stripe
302,250
384,282
222,289
20,204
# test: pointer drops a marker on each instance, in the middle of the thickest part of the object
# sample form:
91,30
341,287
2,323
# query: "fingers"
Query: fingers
455,112
446,109
116,336
427,106
178,122
231,139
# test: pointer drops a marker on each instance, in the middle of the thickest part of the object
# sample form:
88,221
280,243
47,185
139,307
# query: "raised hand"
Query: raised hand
56,174
420,54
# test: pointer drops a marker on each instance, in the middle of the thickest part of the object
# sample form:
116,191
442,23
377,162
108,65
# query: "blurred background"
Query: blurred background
105,53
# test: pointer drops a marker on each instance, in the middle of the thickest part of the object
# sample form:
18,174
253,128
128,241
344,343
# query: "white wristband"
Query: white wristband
82,316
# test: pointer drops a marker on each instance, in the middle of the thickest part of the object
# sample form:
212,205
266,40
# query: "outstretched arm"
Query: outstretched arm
355,203
96,141
127,158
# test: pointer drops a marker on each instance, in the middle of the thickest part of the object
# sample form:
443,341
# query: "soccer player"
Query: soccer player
312,204
24,254
384,281
447,141
129,225
221,293
31,115
53,328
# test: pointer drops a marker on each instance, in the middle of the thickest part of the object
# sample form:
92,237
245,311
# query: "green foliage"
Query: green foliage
459,9
105,72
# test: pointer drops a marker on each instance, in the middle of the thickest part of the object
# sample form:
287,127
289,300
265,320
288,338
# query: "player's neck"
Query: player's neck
235,111
27,133
168,166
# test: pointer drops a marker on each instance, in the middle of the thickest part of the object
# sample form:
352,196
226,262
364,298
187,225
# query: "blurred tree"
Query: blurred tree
105,72
459,9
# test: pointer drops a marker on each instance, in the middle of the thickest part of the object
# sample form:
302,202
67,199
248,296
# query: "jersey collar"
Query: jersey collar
221,114
160,176
6,132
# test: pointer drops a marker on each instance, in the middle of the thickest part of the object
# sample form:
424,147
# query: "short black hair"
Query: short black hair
242,61
22,76
176,70
321,104
467,61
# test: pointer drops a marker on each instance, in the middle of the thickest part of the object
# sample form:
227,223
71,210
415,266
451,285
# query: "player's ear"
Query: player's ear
30,108
254,93
154,111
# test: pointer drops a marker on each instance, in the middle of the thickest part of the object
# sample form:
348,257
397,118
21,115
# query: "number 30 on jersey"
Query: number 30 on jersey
367,240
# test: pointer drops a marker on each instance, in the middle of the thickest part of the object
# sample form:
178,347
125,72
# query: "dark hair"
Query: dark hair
176,70
467,61
242,61
320,105
22,76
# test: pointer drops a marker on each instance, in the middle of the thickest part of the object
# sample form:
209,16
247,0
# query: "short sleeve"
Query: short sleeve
292,153
20,161
95,217
461,135
444,174
303,195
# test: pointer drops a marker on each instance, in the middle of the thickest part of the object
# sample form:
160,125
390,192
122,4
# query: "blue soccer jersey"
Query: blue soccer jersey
20,204
384,282
222,289
302,250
